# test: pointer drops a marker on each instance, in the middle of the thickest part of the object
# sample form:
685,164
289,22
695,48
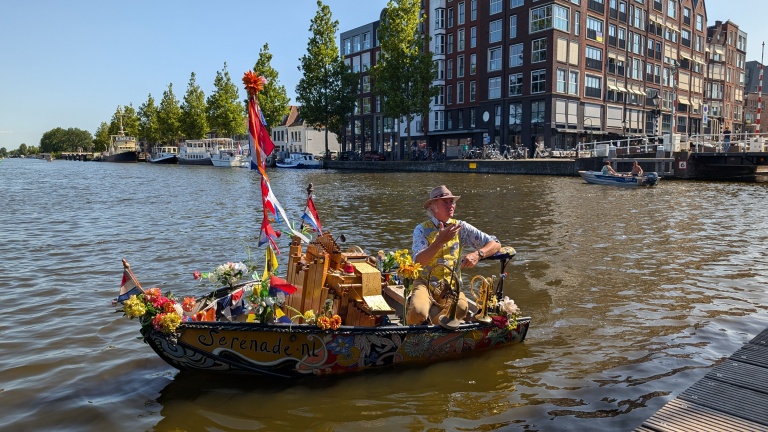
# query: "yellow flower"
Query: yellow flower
134,307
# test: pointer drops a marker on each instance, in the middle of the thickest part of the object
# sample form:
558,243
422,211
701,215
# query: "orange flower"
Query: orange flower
253,83
189,304
324,322
335,322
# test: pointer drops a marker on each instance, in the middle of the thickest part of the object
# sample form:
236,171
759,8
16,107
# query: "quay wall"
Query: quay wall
552,167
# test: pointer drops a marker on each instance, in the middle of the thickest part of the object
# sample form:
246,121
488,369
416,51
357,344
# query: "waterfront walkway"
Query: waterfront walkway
731,397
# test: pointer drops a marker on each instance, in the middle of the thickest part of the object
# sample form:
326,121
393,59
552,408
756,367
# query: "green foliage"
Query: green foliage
405,70
101,138
194,124
226,113
169,117
3,152
129,120
149,129
273,99
327,88
63,140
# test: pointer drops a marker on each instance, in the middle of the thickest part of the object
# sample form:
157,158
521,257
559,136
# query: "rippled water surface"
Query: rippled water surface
634,295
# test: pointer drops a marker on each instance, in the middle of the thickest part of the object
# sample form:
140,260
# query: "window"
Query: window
593,86
538,112
440,44
515,3
671,9
516,55
461,40
473,10
473,37
547,17
515,114
460,63
561,81
495,6
472,64
513,26
439,118
699,22
538,81
687,16
539,50
573,83
366,83
494,59
594,29
460,92
450,17
449,95
366,41
576,23
449,73
494,33
450,43
516,84
356,43
439,18
494,88
472,93
366,105
347,46
440,98
461,13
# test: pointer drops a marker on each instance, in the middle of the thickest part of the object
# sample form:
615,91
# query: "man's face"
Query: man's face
444,208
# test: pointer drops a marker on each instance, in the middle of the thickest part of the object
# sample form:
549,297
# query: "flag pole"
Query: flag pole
127,268
310,190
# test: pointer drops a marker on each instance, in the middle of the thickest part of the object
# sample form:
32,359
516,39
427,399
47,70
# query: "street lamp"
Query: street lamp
673,71
656,111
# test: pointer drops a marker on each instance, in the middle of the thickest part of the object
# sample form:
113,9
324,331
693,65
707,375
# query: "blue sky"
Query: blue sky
71,63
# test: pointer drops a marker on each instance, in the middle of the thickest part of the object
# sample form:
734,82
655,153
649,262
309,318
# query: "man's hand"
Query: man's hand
446,232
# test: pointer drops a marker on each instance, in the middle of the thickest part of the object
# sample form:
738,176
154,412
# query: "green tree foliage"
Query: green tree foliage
101,139
3,152
404,72
149,129
23,149
273,99
327,88
64,140
169,117
194,124
226,112
130,121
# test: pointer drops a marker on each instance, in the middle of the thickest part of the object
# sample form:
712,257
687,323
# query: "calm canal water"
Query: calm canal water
634,295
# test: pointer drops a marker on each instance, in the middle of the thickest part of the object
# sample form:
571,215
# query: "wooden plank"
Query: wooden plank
753,354
679,416
728,398
741,374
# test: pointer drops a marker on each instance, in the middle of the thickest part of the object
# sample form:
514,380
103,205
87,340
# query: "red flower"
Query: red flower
499,321
278,233
196,274
188,304
253,83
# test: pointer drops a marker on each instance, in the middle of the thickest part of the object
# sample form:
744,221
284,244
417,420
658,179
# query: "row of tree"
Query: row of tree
327,90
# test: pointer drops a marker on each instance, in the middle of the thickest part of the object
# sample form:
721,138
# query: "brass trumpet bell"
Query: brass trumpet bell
480,288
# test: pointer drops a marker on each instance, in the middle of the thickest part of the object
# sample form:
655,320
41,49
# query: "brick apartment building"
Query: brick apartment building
553,72
751,98
726,77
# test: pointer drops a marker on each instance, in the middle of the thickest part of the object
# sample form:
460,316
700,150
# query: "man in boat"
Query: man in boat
636,170
440,240
608,169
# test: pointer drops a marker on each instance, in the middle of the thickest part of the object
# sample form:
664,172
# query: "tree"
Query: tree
226,112
194,123
169,117
64,140
3,152
148,124
125,115
101,138
23,149
404,72
327,89
273,99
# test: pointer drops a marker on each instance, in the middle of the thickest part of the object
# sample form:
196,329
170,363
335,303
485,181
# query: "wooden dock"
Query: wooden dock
731,397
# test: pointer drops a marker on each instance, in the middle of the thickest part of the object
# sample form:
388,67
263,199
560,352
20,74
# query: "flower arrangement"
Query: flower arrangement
157,311
387,261
227,274
508,313
407,269
326,320
253,83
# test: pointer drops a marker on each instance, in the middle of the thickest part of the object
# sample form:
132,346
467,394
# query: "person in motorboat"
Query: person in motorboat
636,170
608,169
441,240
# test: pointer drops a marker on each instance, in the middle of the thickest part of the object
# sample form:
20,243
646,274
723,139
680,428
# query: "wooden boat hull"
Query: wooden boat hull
596,177
300,350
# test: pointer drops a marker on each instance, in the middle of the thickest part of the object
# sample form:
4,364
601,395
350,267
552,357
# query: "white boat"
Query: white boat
231,156
597,177
300,160
122,148
199,152
165,155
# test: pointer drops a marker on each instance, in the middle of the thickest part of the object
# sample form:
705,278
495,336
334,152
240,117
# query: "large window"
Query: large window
594,58
460,62
573,83
547,17
539,50
494,59
461,40
494,32
538,112
473,37
496,6
516,55
561,84
515,114
472,93
460,92
462,17
594,29
593,86
494,88
472,64
538,81
513,26
516,84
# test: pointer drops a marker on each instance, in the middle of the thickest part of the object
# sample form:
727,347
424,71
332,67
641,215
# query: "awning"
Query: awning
685,56
683,100
718,50
621,89
613,87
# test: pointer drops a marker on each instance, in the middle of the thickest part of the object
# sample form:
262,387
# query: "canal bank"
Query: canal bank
553,167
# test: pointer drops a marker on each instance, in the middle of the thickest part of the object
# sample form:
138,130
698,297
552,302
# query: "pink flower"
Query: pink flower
196,274
499,321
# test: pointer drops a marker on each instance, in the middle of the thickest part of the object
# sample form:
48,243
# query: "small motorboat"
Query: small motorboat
300,160
597,177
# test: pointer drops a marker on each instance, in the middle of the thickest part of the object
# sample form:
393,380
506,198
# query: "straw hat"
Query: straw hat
440,192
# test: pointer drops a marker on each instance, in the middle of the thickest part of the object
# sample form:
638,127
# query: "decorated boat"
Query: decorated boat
597,177
334,311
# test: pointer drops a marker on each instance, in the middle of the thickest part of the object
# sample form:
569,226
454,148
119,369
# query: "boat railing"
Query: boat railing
713,143
623,146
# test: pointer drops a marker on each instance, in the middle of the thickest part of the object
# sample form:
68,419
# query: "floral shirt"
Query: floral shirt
468,236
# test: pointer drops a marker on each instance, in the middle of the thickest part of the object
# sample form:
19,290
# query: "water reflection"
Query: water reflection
634,294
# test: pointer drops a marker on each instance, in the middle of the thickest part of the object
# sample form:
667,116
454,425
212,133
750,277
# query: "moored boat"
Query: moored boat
164,155
597,177
199,152
122,148
299,160
229,158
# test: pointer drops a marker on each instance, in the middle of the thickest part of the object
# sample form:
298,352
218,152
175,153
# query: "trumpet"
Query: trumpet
480,288
442,283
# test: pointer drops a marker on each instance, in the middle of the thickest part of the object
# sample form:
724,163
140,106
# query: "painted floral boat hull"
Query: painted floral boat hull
300,350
